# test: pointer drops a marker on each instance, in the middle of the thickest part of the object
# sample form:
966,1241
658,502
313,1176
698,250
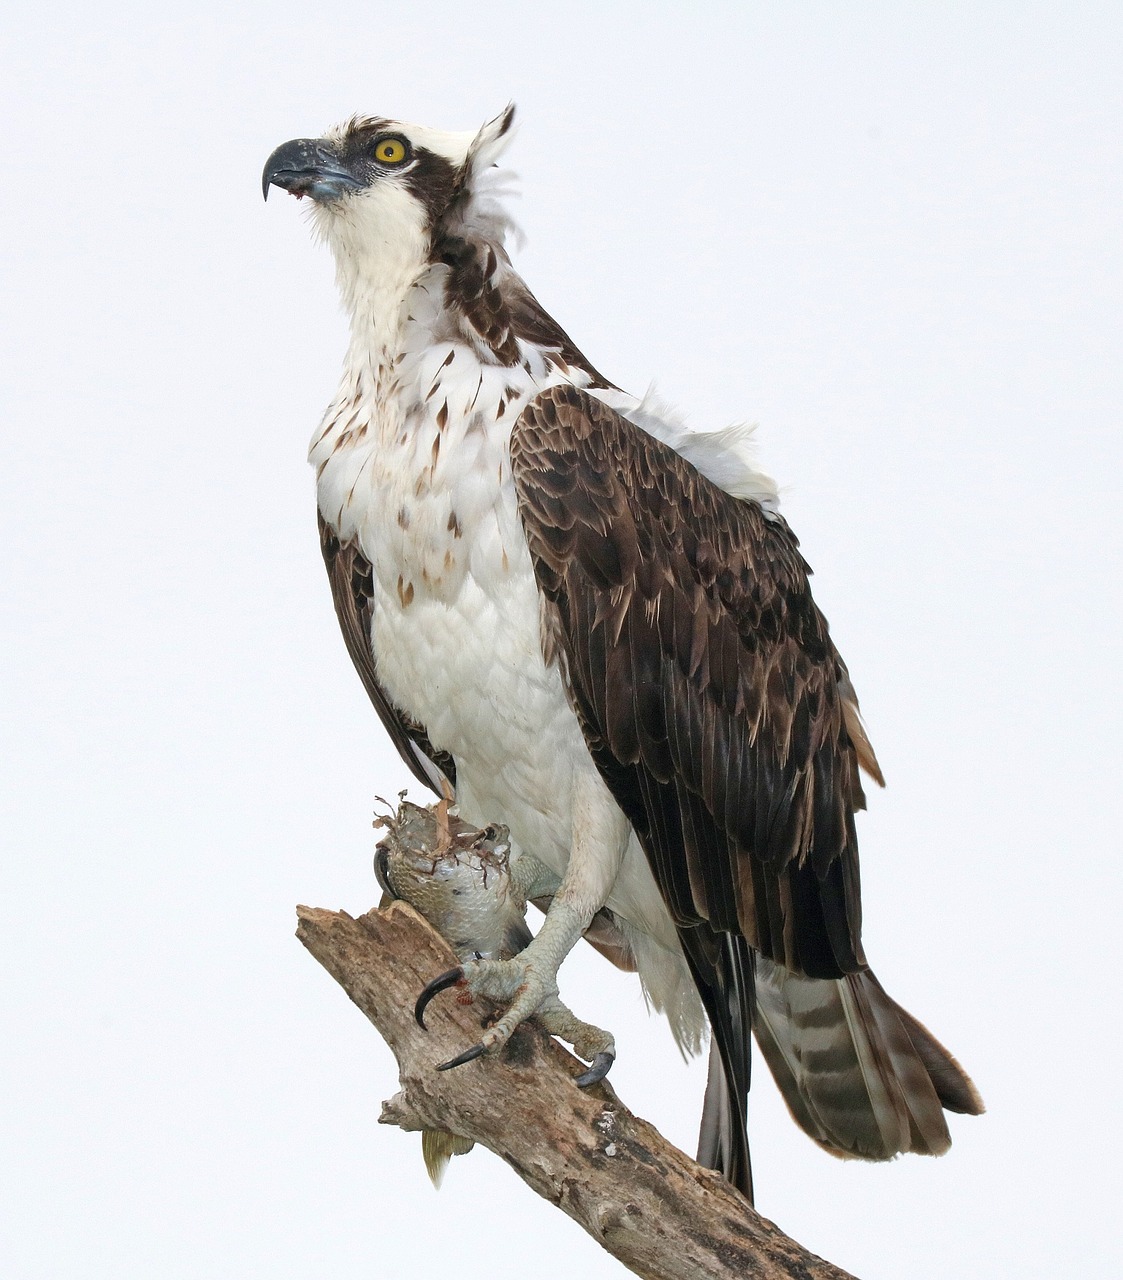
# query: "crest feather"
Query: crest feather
476,211
489,144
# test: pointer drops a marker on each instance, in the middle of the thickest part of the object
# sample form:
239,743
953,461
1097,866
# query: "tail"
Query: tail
438,1148
860,1075
723,1142
722,966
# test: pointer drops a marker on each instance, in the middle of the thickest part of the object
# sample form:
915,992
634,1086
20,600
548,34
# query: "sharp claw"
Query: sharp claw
476,1051
602,1064
446,980
382,872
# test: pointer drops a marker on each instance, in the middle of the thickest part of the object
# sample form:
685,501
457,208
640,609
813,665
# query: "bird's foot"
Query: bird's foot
530,991
597,1047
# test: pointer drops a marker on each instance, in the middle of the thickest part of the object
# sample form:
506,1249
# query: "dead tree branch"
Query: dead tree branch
663,1216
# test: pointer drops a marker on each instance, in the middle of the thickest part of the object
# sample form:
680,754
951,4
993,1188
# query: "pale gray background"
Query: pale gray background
891,235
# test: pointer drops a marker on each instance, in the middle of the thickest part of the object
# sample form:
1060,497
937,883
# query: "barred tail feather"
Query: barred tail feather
859,1074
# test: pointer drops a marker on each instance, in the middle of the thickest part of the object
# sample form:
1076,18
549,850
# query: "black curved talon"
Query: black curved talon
476,1051
434,988
382,872
602,1064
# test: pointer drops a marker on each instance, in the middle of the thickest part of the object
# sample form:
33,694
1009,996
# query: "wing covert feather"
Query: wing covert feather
705,680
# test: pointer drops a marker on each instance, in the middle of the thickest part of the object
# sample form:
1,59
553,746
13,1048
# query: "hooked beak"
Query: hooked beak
308,167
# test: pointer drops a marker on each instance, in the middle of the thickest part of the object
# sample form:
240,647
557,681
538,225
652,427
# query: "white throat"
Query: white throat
381,247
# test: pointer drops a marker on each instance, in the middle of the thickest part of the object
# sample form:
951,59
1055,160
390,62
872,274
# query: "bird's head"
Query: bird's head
382,191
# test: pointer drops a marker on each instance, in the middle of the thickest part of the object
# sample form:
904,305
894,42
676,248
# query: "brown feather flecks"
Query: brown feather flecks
352,590
705,680
499,308
473,290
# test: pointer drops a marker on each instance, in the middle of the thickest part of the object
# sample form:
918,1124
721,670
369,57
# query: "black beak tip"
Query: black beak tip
287,160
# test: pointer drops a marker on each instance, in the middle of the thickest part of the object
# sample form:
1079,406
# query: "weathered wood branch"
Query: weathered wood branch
661,1214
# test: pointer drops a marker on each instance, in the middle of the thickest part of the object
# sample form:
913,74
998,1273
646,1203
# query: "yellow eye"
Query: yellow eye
390,151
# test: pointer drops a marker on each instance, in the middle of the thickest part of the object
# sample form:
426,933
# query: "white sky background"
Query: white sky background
891,235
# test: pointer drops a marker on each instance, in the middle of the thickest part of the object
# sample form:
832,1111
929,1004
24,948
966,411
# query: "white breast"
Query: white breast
412,462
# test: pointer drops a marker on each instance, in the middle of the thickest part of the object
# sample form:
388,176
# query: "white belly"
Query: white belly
470,669
468,665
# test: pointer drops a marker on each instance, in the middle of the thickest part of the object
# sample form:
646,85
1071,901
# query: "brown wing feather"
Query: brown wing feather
704,678
349,573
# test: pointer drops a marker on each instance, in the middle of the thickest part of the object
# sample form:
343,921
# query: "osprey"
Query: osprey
596,626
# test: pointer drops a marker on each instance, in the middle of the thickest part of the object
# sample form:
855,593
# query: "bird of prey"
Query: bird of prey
597,627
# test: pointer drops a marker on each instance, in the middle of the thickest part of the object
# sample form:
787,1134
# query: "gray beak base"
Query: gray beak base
307,167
